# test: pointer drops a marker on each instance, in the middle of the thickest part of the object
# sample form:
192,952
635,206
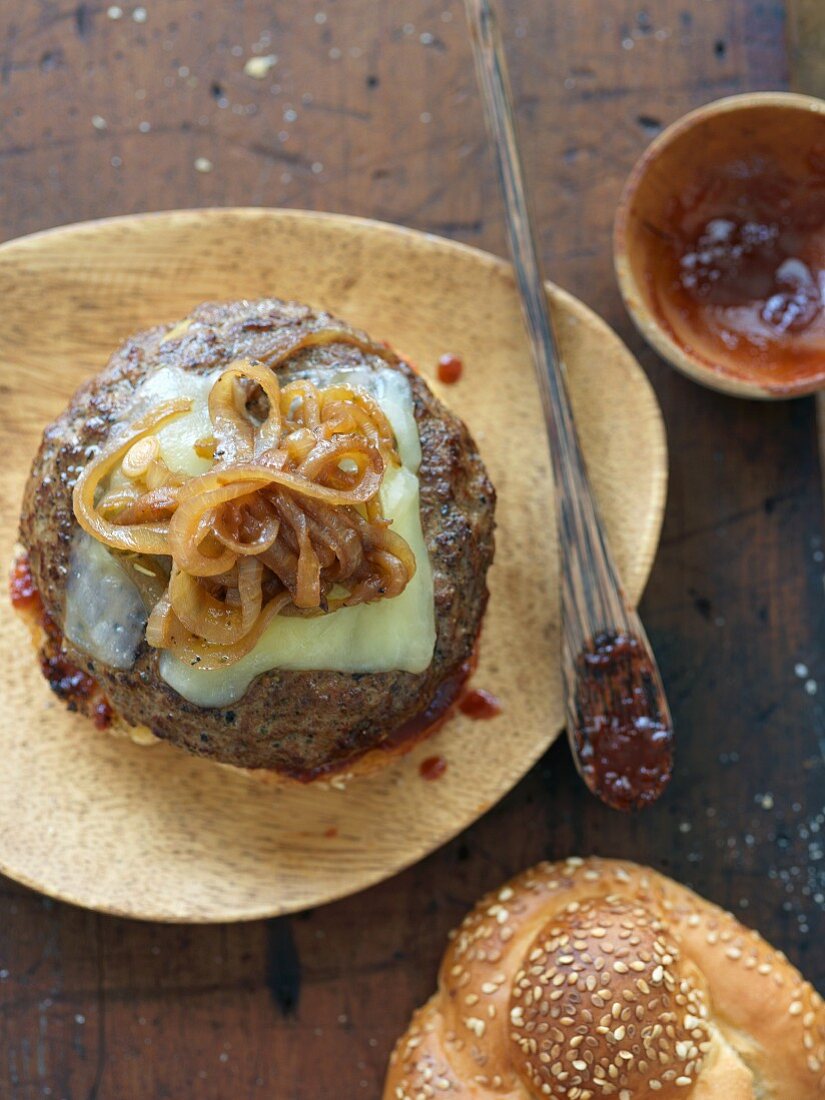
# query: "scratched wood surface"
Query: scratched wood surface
371,109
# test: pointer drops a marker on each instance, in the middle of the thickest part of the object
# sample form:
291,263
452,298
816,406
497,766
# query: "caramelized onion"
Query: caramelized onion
286,521
141,538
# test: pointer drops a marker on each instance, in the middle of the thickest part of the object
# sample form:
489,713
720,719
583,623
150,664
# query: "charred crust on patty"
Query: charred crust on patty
297,722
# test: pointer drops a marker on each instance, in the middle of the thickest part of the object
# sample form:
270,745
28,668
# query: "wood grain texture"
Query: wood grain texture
630,770
202,845
310,1006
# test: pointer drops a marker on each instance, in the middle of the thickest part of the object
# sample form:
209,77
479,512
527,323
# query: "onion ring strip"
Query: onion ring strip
164,631
148,538
287,520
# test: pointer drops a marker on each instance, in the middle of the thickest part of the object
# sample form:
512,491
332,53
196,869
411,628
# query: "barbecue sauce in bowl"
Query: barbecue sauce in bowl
739,276
720,244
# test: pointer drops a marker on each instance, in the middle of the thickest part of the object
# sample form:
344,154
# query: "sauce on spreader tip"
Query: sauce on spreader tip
449,370
624,742
738,269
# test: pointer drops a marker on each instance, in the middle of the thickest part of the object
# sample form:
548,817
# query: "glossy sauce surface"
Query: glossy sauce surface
433,767
737,269
76,688
625,747
21,584
478,703
449,370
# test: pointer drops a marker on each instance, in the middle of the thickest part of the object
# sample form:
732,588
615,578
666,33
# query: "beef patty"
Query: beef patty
296,722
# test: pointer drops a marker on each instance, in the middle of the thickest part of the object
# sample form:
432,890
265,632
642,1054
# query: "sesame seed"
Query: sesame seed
795,1008
259,67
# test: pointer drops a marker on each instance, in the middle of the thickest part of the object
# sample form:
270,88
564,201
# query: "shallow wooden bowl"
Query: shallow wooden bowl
779,126
158,834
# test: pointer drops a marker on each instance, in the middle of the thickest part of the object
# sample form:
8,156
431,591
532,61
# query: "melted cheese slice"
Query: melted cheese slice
105,616
389,635
375,637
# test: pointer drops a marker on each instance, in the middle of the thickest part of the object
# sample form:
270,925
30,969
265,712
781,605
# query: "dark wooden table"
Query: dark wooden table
371,108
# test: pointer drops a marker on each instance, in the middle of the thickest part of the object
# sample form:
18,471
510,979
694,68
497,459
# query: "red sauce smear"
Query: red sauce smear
478,703
76,688
624,743
102,714
415,729
433,767
450,369
21,584
737,270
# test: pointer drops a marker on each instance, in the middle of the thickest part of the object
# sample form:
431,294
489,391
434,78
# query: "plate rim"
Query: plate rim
648,548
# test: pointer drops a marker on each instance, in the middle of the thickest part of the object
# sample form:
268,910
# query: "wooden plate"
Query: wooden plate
156,834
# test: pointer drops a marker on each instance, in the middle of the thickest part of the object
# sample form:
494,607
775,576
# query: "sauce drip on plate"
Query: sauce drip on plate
433,767
478,703
71,684
737,273
450,369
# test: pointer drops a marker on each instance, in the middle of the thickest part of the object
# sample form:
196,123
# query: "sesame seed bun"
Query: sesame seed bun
595,978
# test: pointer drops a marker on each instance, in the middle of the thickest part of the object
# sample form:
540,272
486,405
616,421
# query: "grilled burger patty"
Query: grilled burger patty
296,722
